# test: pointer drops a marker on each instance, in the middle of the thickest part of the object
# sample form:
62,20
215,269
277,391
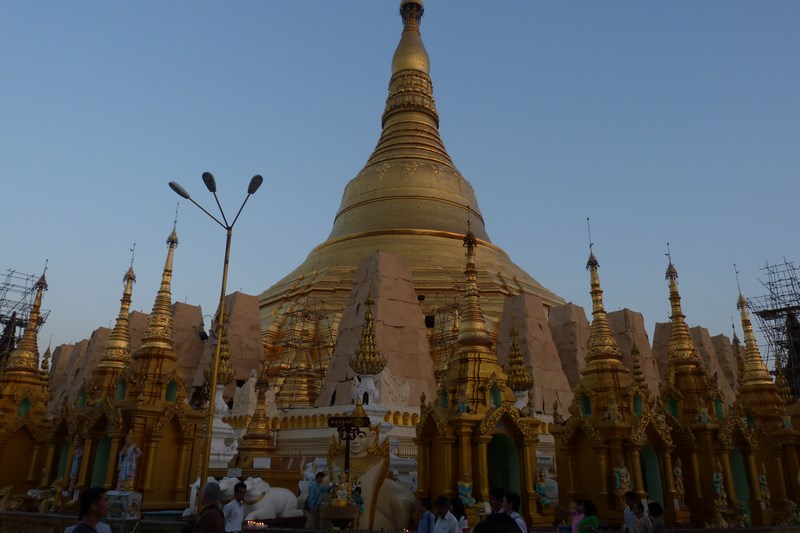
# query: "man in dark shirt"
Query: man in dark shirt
211,519
94,507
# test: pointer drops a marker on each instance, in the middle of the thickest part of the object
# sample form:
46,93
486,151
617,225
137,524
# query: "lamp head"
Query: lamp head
208,179
255,183
180,191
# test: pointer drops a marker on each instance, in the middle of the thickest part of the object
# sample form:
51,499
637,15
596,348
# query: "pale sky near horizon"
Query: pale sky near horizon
673,121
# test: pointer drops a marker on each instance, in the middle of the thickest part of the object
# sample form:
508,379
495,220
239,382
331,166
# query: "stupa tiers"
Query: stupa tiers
25,447
471,436
383,313
409,200
707,461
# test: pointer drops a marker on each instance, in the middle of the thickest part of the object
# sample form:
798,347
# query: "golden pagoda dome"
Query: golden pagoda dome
409,199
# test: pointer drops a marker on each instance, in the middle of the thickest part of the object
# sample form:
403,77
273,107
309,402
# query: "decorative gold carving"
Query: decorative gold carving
173,411
429,411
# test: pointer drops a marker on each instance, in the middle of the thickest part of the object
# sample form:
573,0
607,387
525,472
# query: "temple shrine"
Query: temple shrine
467,373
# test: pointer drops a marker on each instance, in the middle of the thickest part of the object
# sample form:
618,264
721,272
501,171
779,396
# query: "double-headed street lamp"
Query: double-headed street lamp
211,185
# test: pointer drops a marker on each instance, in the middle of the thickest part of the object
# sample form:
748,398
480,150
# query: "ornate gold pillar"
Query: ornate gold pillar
150,449
68,463
638,480
448,444
482,477
423,457
86,456
181,478
602,464
50,450
112,465
528,478
730,489
791,486
464,436
696,475
33,466
569,474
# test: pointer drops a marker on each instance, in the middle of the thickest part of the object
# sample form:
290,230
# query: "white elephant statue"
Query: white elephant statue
262,502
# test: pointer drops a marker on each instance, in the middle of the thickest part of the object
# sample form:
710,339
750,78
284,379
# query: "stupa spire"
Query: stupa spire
158,334
519,378
755,371
157,356
117,353
24,359
409,157
473,326
368,360
118,349
681,345
602,345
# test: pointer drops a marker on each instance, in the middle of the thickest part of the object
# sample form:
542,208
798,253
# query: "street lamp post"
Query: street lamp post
211,185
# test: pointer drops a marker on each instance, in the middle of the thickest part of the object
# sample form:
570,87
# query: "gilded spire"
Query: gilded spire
158,335
519,379
302,382
368,360
25,357
225,373
602,345
473,327
117,353
409,157
784,390
681,345
638,371
755,371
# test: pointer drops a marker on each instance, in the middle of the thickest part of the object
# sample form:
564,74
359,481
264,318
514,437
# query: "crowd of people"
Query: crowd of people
449,516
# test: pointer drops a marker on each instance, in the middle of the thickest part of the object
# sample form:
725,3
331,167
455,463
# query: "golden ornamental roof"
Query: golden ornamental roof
784,389
368,360
519,378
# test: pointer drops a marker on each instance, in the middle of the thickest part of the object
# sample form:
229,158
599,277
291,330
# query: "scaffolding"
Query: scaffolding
778,313
17,292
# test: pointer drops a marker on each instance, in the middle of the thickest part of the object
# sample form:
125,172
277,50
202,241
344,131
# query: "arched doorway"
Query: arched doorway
503,462
740,478
652,475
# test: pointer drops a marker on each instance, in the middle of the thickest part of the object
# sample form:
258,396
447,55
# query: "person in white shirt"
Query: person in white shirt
234,510
510,506
445,521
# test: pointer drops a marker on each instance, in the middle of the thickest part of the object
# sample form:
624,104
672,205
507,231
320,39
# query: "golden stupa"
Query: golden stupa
410,200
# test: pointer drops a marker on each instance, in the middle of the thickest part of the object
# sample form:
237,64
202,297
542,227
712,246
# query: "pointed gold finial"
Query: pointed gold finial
519,378
638,371
117,353
225,373
410,53
473,327
368,360
602,345
158,334
782,384
755,371
25,357
681,345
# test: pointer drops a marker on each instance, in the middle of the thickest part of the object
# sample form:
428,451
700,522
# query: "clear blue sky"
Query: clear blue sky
671,121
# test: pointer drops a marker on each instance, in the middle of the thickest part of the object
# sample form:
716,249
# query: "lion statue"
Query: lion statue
261,501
